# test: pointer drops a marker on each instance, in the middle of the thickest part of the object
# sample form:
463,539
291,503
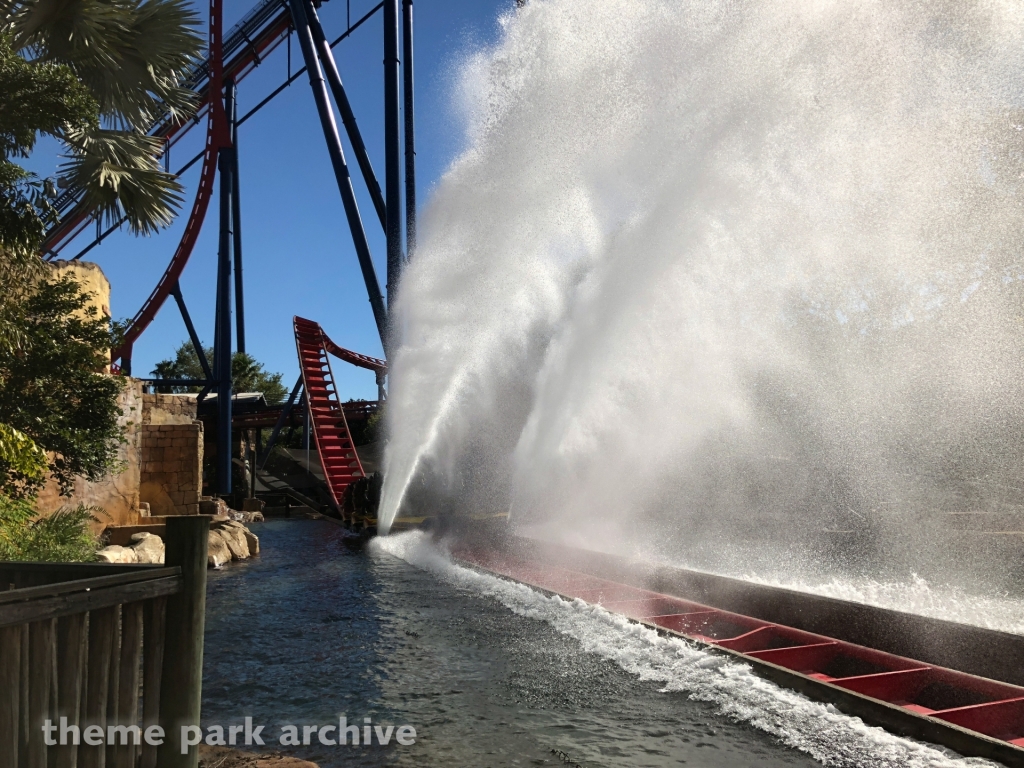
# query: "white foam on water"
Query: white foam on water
917,596
817,729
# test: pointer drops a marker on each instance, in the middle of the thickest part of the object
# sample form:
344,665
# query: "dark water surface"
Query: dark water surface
310,631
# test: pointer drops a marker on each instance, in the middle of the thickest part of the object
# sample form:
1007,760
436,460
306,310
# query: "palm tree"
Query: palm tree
130,57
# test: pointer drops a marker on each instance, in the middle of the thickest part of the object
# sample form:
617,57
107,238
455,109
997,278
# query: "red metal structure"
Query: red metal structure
972,714
330,431
230,58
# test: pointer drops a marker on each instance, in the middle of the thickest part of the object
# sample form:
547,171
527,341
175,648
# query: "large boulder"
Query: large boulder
230,540
252,540
217,552
232,533
117,554
148,547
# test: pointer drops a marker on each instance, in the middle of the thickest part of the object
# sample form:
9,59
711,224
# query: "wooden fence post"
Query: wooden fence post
39,671
153,660
182,685
102,625
10,690
71,647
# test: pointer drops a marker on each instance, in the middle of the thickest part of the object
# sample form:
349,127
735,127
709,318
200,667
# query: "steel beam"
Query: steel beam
193,336
280,422
410,131
348,197
392,152
348,117
236,225
222,331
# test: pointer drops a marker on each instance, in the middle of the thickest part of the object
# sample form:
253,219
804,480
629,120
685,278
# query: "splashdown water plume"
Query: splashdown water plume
713,272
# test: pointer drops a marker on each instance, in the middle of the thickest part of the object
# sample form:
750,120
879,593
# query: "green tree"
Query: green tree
53,390
94,75
247,375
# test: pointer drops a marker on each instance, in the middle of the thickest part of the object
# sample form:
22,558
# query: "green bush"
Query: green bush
63,537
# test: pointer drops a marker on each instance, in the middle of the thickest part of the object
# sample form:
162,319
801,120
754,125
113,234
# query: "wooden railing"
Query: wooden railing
93,646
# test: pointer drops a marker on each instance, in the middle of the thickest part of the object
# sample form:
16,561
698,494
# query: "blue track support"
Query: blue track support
348,117
341,173
192,335
236,229
222,331
410,131
392,153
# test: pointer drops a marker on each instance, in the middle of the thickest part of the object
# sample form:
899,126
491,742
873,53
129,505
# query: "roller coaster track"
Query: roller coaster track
258,33
334,444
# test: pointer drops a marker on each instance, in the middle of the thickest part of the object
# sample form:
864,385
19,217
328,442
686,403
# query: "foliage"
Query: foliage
247,375
64,536
376,425
53,390
94,74
20,453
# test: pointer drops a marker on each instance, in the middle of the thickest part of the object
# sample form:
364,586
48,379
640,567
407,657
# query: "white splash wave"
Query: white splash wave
817,729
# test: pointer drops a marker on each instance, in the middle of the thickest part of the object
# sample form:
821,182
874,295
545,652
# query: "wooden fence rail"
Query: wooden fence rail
81,645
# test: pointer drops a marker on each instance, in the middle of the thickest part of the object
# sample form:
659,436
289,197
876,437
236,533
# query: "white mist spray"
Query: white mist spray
713,270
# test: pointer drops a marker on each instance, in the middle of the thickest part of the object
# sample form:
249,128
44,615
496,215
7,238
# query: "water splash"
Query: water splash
816,729
722,272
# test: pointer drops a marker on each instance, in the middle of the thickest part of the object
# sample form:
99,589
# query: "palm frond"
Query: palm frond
71,31
132,56
118,174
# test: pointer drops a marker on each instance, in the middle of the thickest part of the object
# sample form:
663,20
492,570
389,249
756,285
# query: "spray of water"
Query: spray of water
717,275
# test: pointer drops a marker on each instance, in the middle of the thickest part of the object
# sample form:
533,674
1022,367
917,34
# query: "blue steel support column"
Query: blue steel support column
348,117
236,222
392,153
410,131
348,197
193,336
222,332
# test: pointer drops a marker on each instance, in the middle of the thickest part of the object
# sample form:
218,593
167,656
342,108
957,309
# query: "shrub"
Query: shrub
62,537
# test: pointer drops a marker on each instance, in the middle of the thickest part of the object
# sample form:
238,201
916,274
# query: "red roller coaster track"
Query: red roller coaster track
334,444
218,136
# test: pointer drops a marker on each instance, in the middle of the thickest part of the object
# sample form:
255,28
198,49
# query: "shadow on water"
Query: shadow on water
310,631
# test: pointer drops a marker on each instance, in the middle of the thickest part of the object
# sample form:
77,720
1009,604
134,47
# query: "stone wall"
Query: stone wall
168,409
90,279
172,467
161,459
117,494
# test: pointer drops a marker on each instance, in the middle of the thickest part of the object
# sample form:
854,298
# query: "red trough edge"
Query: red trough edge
985,708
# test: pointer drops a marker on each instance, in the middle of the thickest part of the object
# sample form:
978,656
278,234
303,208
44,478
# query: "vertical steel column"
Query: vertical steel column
222,333
236,221
392,154
126,360
348,196
410,132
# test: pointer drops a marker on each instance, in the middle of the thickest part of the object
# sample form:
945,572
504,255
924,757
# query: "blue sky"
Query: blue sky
298,255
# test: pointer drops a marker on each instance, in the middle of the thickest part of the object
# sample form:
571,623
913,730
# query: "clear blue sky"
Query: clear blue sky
296,245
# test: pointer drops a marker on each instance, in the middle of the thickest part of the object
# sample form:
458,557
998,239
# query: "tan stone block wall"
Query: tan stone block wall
117,494
168,409
92,281
172,468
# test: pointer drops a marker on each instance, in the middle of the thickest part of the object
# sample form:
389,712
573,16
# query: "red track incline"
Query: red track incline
334,444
